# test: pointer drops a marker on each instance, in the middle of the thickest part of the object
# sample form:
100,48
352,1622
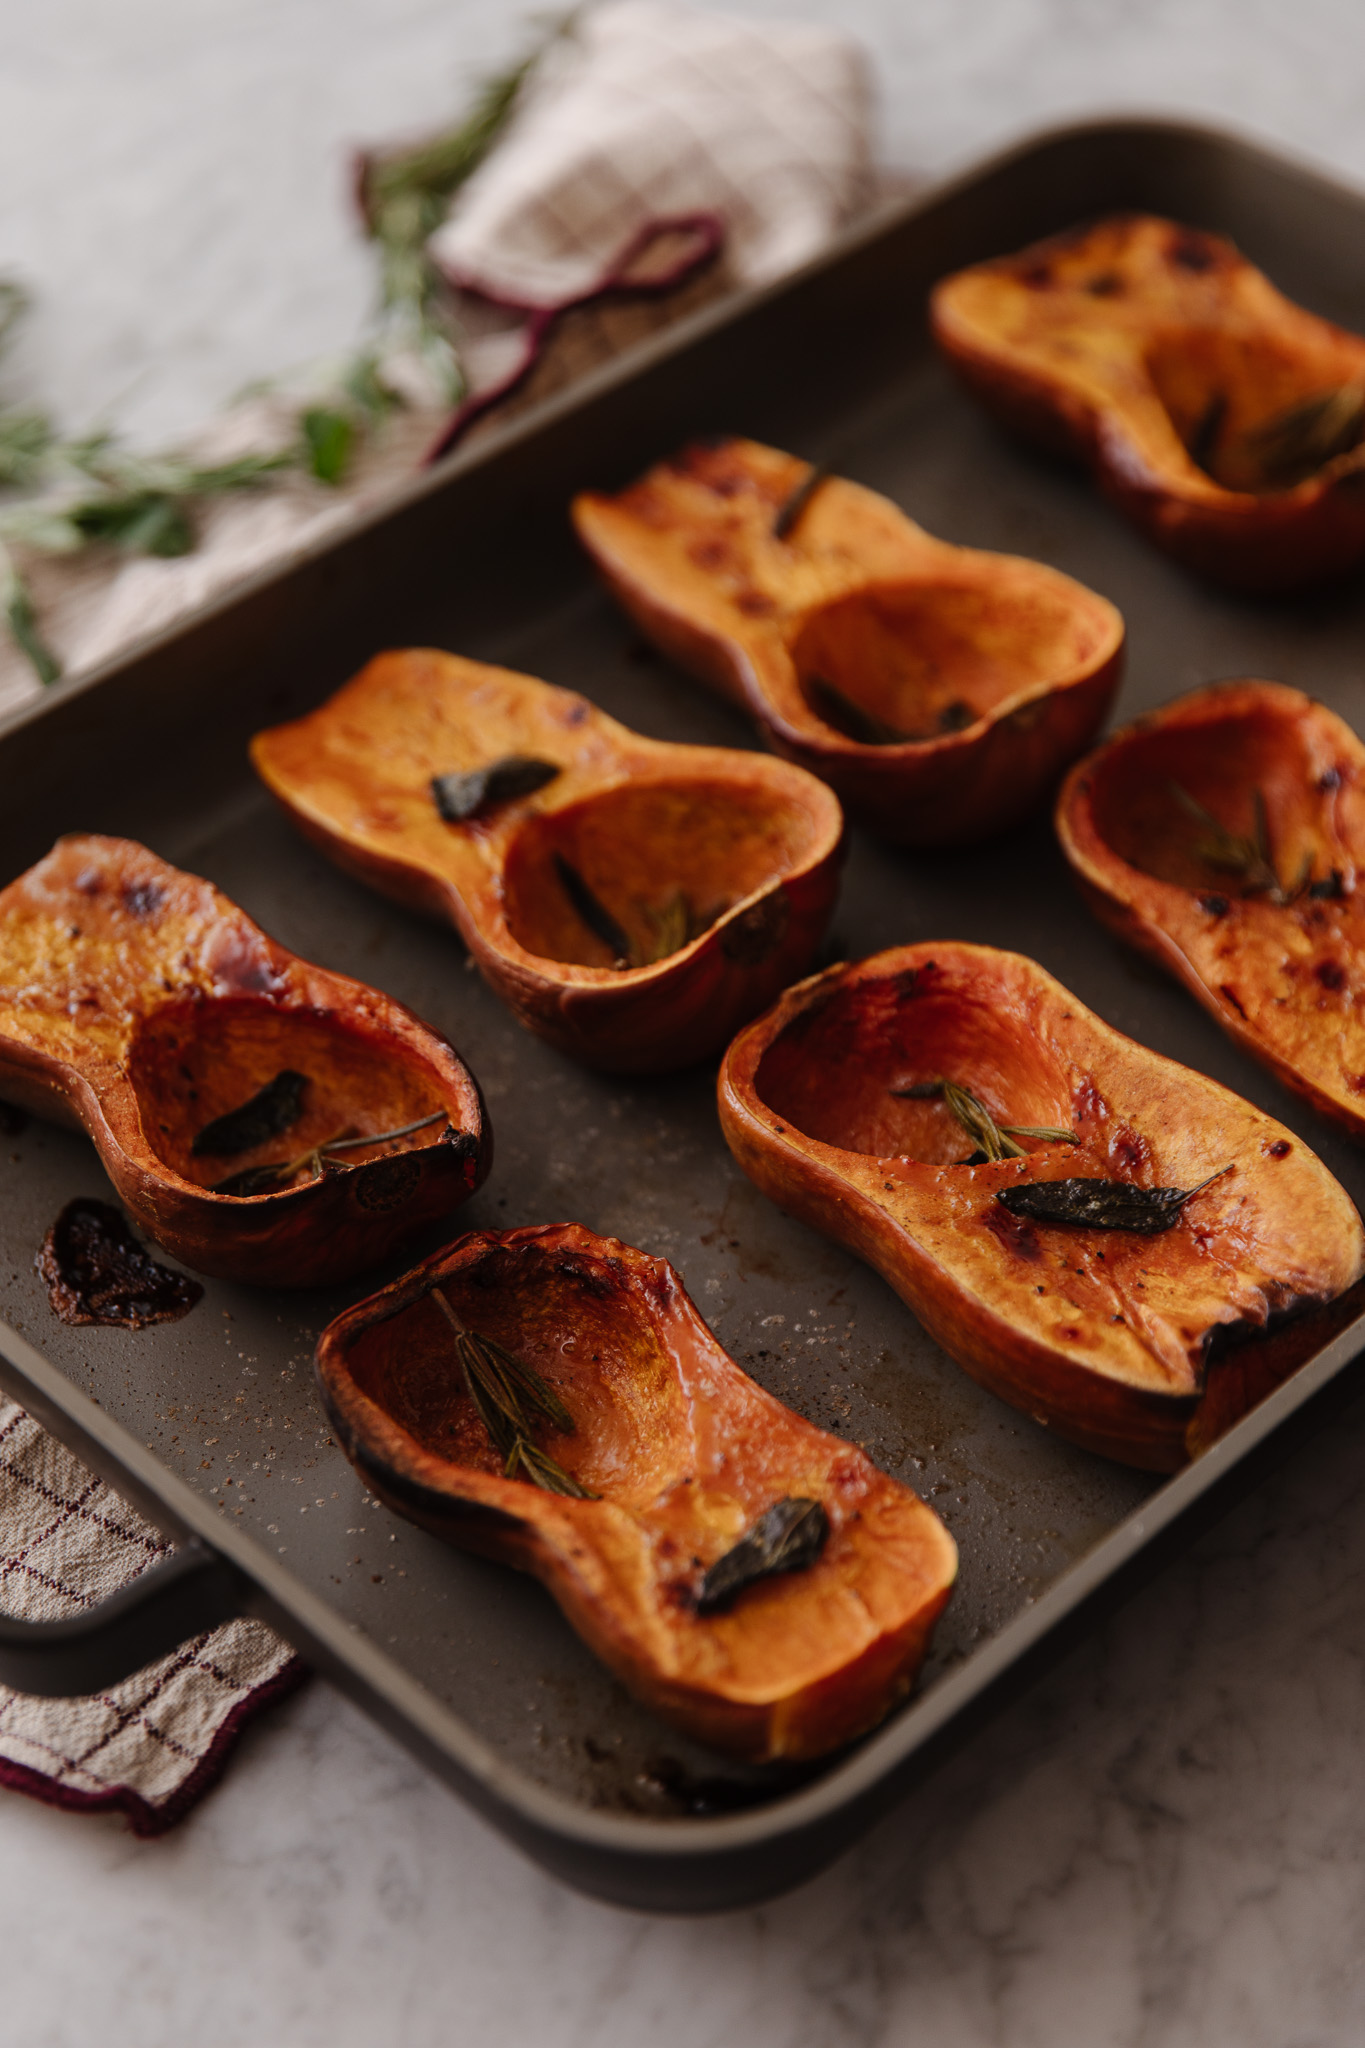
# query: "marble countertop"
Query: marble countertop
1164,1843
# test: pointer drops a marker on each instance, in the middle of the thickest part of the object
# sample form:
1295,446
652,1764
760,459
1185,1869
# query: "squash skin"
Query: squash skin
688,551
355,777
685,1450
137,1003
1100,1335
1279,980
1121,376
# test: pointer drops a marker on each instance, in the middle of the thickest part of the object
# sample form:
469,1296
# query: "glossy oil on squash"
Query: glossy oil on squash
752,845
985,674
137,1002
1100,1334
685,1452
1281,968
1215,413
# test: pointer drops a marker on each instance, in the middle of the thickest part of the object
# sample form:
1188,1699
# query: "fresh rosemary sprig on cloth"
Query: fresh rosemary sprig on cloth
89,492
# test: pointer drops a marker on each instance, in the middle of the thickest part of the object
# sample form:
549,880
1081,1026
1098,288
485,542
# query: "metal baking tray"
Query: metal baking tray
212,1426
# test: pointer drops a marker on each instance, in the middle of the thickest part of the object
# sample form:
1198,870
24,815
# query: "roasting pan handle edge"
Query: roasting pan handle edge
192,1590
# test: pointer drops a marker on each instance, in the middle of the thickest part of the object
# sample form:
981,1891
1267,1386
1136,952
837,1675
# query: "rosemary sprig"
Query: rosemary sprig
268,1179
995,1141
509,1395
1251,858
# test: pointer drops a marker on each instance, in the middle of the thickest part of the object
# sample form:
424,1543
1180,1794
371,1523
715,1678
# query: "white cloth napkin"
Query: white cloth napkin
649,111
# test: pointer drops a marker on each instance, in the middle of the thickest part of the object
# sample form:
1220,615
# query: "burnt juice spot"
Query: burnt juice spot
1015,1233
97,1272
1192,252
709,554
1331,974
1216,906
143,899
1281,1149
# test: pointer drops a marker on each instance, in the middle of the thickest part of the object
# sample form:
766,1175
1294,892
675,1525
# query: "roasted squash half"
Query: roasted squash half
137,1002
681,1455
833,1104
633,905
938,689
1224,836
1225,421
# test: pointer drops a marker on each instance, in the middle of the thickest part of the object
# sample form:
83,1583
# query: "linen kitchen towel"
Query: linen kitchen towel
151,1746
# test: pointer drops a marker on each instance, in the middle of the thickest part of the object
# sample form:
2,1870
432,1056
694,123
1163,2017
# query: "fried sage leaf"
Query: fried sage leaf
850,718
462,795
510,1396
993,1141
1303,439
593,912
272,1110
787,1538
795,502
1102,1204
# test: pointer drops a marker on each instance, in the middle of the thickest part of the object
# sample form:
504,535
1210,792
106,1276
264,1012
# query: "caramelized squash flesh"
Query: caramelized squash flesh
641,847
934,658
684,1453
192,1062
1101,1333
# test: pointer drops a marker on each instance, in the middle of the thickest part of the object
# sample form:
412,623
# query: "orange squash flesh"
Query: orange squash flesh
754,844
1283,979
1100,1334
917,634
686,1453
140,1004
1157,354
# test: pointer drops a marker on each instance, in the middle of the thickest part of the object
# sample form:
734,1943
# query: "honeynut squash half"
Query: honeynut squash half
834,1105
1225,421
664,1456
1224,837
940,690
630,900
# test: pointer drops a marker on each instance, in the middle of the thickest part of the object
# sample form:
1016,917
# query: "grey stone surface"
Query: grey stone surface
1163,1845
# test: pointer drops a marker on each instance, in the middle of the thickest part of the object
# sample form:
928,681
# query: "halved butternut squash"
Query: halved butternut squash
1224,836
633,906
939,690
829,1104
681,1454
1224,420
140,1004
